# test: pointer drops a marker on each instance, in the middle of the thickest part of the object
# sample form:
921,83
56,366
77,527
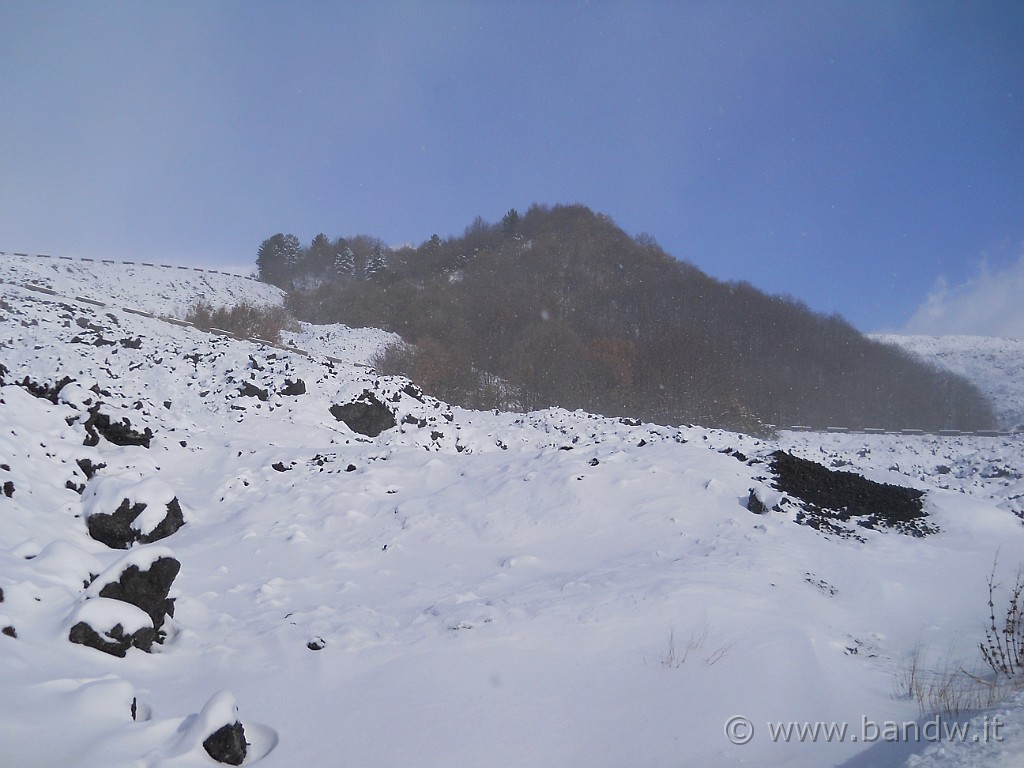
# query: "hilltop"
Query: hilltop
552,588
560,307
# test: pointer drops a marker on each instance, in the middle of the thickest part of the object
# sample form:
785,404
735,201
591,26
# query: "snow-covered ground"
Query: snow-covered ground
996,366
466,588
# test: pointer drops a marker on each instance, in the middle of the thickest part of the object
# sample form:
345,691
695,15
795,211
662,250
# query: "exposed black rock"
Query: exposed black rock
755,505
227,744
366,415
832,496
413,391
10,632
280,467
8,489
246,389
147,589
117,432
44,391
88,468
293,388
115,529
113,641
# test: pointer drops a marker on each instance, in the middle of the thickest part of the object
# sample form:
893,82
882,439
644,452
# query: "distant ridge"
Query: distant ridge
993,365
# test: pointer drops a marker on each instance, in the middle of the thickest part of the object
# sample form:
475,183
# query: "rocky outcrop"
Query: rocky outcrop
830,496
118,432
366,415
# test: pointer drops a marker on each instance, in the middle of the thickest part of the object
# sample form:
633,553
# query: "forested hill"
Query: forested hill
558,306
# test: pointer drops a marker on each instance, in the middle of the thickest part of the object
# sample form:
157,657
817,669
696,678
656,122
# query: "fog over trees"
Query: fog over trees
559,306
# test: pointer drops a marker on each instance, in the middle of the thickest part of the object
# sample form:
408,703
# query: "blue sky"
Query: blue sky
866,158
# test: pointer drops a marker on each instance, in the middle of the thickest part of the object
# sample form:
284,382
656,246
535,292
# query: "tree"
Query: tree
320,255
277,259
510,224
345,263
376,264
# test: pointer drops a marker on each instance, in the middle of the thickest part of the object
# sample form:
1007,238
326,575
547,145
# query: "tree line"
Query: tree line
559,306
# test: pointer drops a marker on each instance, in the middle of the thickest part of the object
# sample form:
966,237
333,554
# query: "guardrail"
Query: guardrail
128,263
905,432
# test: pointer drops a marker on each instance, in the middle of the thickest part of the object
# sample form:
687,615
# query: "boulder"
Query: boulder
227,744
120,512
145,586
118,529
293,388
111,626
366,415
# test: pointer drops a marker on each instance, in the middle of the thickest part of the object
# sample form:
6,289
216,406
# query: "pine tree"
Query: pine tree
510,224
376,263
345,264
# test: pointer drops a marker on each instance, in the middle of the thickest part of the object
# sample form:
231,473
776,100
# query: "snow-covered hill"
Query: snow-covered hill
995,366
463,588
160,289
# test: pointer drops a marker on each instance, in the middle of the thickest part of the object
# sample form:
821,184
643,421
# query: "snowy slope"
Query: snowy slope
550,589
160,289
995,366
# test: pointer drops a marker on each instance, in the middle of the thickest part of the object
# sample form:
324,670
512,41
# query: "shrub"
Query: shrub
1003,647
246,320
445,374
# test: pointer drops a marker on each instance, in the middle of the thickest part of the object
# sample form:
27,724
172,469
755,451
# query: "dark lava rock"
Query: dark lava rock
8,489
44,391
755,505
293,388
88,468
147,589
114,641
117,432
227,744
366,415
280,467
10,632
413,391
115,530
251,390
831,495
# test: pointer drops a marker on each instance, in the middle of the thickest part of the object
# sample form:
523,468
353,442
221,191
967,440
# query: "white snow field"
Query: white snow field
466,588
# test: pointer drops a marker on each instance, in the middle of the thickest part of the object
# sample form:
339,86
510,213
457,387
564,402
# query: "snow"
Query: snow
102,614
543,589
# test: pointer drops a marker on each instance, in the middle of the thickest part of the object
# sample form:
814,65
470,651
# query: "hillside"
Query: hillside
560,307
464,587
995,366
